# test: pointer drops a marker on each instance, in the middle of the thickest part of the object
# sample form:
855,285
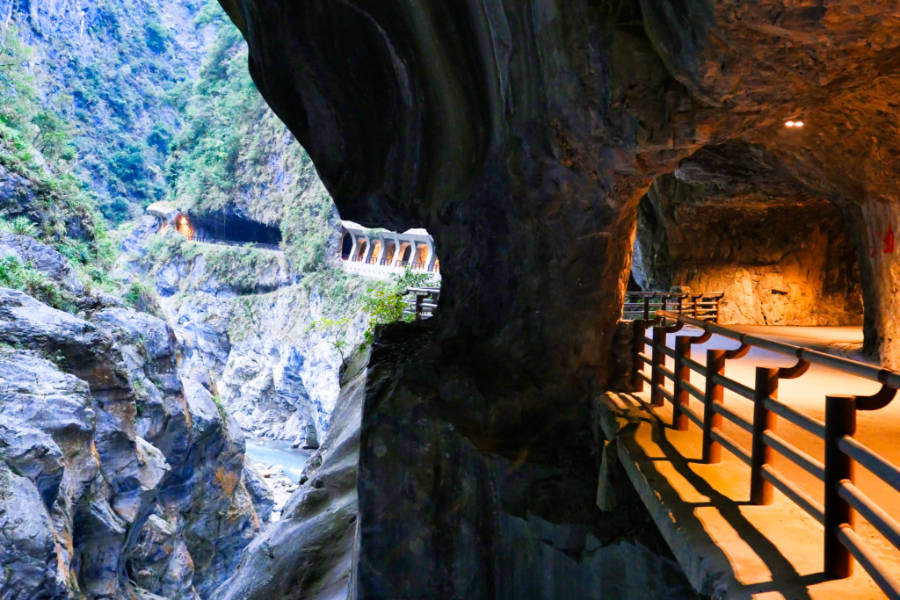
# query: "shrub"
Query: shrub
24,277
141,297
384,303
24,226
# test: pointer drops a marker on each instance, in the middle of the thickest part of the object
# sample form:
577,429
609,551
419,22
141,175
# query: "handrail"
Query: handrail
640,305
842,450
422,302
853,367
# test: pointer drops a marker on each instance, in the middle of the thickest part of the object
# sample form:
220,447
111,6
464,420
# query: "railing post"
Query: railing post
419,299
715,364
646,308
682,373
638,331
658,356
766,386
696,314
840,420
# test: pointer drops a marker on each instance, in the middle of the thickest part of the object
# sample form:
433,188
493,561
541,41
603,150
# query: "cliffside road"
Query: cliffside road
723,543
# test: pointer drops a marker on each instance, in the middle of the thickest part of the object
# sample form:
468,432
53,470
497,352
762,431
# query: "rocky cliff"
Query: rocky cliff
247,323
108,76
523,135
309,554
115,480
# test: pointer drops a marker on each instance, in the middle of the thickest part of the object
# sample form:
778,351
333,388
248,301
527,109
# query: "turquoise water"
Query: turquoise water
279,454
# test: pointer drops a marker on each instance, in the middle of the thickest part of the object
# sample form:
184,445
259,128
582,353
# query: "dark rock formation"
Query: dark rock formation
522,135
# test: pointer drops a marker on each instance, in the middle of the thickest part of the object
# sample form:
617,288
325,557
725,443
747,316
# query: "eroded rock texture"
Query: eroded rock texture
522,135
115,481
309,553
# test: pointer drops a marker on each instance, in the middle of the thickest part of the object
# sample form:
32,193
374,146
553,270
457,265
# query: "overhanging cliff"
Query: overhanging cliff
522,135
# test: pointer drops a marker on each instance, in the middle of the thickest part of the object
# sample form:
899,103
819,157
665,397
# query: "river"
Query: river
280,455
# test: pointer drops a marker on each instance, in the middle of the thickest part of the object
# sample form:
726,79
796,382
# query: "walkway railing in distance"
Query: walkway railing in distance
421,302
643,305
842,450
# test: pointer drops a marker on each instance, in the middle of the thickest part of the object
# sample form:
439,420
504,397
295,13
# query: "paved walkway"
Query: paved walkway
771,551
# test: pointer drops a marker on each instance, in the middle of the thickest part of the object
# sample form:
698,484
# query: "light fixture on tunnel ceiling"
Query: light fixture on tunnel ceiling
793,124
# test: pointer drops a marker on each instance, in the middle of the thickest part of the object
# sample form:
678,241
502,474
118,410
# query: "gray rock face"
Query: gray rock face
113,482
46,260
308,554
255,345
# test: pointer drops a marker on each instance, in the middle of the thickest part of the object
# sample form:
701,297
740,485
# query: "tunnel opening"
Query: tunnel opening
407,252
389,251
232,228
730,220
376,252
346,246
361,248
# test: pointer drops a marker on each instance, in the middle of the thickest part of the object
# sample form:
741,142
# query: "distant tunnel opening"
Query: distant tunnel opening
781,255
232,228
346,246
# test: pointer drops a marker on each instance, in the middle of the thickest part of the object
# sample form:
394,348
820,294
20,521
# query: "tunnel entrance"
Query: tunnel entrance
781,255
346,246
381,254
233,228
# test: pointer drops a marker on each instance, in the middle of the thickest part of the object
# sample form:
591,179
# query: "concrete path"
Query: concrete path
772,551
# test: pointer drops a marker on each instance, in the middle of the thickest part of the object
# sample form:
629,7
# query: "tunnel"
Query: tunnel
730,219
234,228
536,141
346,246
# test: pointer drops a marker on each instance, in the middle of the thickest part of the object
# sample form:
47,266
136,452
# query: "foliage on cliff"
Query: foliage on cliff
233,151
42,195
108,75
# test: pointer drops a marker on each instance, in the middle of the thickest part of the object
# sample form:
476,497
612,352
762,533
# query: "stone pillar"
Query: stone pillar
877,235
432,256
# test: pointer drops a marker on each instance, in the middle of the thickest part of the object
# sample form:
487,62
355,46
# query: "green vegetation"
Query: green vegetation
239,267
23,276
384,303
335,330
141,297
223,413
36,145
107,100
234,149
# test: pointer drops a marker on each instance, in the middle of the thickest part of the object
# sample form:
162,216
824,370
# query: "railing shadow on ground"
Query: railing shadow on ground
842,542
780,567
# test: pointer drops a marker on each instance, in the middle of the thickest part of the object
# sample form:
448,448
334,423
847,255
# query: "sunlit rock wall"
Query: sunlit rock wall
732,220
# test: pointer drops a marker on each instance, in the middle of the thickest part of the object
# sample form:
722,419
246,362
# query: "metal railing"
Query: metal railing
643,305
421,302
842,450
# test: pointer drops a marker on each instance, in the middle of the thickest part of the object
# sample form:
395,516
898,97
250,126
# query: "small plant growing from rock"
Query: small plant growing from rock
24,226
384,303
